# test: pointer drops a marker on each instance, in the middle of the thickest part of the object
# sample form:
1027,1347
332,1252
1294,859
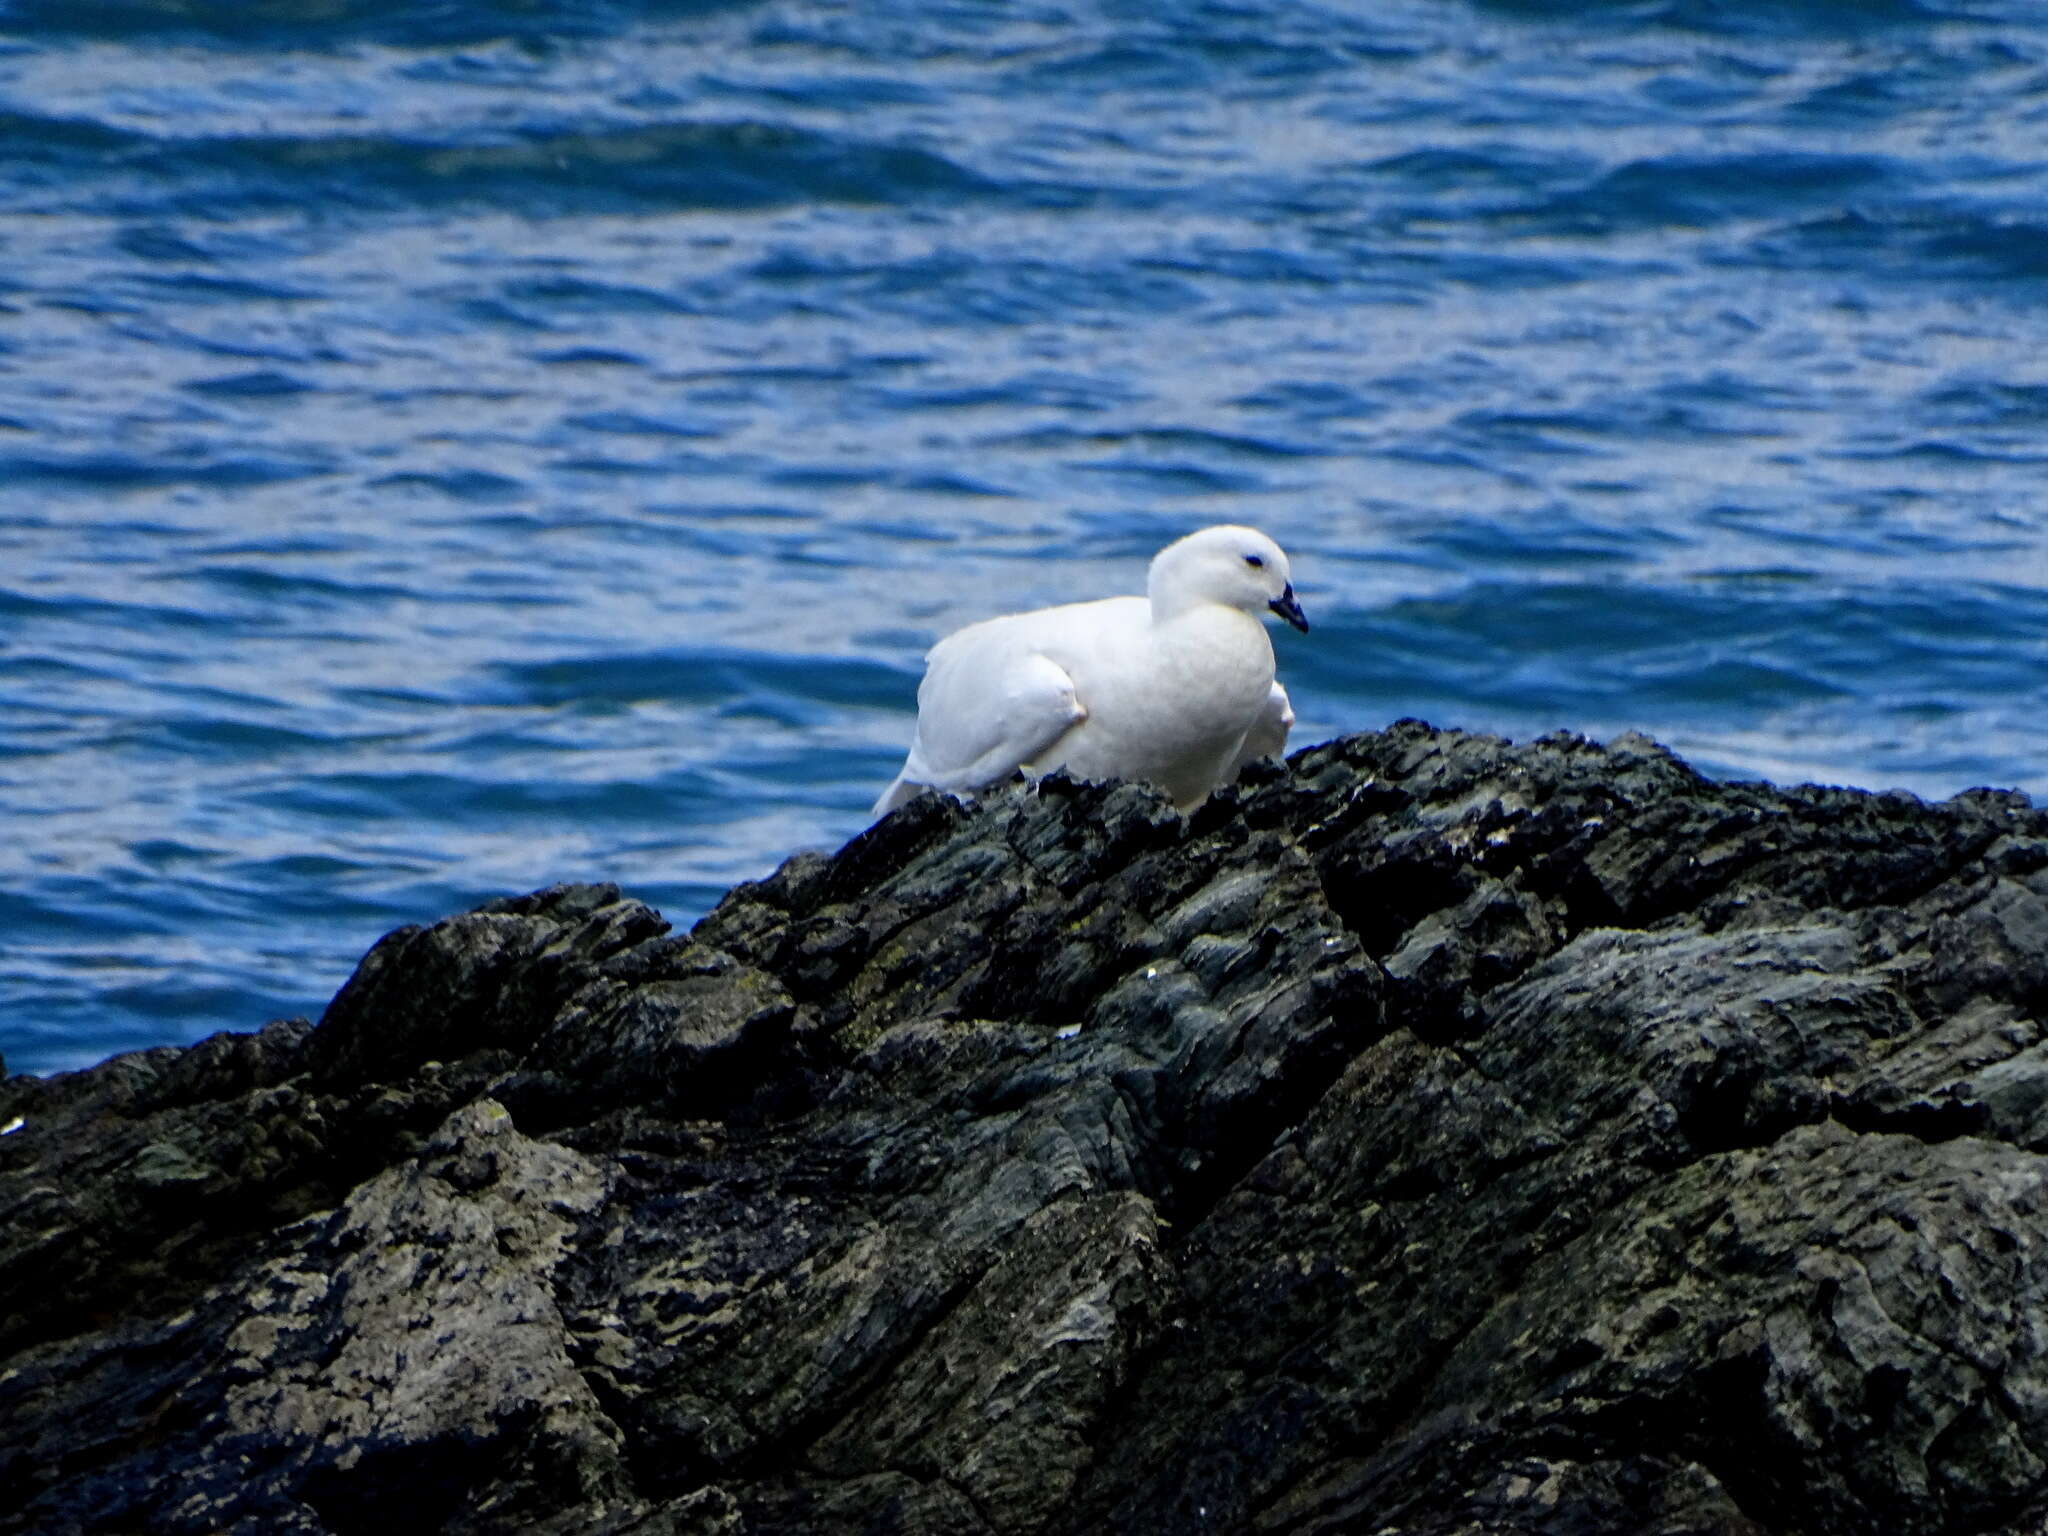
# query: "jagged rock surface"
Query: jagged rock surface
1439,1136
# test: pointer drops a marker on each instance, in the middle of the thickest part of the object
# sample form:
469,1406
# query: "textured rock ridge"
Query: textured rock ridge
1439,1135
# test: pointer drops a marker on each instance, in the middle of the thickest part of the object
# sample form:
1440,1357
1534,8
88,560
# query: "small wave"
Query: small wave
1715,684
296,587
260,384
36,668
597,464
1201,440
1053,391
590,357
1699,191
684,165
405,799
1947,451
1166,477
456,484
827,477
578,296
1493,271
1557,540
695,165
313,23
1991,248
1783,18
635,424
207,288
1677,413
1862,98
947,484
696,676
1912,243
1656,657
1311,400
25,917
1803,17
1545,432
950,289
234,741
1595,621
1987,403
1427,185
1262,266
43,139
1197,56
116,472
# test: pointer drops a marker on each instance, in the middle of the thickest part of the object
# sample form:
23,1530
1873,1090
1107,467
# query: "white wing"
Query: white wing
1268,735
990,704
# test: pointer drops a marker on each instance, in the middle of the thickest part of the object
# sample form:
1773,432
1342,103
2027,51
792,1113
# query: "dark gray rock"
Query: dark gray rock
1437,1136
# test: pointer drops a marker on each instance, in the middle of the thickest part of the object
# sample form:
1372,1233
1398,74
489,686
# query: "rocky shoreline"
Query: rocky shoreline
1435,1135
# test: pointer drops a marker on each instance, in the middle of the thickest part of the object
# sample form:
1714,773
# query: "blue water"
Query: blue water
451,447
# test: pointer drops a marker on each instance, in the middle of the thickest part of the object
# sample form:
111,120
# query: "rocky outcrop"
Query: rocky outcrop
1436,1136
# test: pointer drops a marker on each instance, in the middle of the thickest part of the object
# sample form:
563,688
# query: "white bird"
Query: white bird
1175,688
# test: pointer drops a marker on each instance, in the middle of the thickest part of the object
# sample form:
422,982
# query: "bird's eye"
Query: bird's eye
1258,562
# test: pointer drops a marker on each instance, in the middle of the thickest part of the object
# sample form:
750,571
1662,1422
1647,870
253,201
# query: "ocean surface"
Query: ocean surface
450,447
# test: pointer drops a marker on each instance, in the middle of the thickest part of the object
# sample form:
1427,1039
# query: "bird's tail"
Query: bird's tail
902,792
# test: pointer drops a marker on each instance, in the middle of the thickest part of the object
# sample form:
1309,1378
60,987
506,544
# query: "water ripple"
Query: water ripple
690,165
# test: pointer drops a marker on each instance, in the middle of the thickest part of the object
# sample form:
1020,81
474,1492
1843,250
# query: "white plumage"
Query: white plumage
1175,688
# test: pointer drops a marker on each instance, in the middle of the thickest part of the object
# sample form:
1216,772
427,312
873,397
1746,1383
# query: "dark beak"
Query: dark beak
1289,609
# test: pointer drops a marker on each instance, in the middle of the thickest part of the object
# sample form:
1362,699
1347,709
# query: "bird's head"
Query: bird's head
1236,566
